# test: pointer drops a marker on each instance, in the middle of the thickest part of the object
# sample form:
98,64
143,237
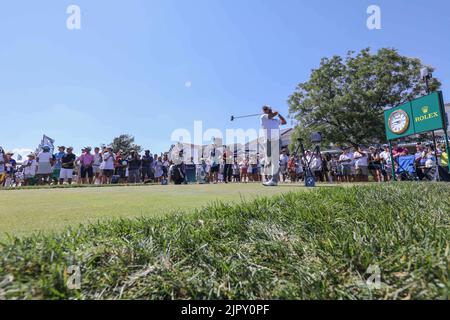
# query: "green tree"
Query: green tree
125,142
345,97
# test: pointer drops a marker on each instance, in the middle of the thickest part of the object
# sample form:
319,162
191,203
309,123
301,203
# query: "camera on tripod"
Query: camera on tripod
316,137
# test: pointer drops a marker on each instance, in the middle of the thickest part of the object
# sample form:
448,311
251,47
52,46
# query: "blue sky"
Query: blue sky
126,70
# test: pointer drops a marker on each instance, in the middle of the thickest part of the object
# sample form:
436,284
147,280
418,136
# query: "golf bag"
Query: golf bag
177,174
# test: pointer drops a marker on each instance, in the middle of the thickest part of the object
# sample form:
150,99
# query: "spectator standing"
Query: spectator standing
45,160
96,165
147,161
444,157
86,162
2,166
29,170
316,166
361,165
386,163
253,169
134,166
292,169
121,165
419,159
10,169
107,165
236,172
328,169
334,169
398,151
227,164
243,166
214,160
432,173
166,166
284,159
158,170
155,163
67,165
325,168
375,167
57,165
345,161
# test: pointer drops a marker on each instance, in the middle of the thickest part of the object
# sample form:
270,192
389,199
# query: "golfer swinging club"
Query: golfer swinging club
271,143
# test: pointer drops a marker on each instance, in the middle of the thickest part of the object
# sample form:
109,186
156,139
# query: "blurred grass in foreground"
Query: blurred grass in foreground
301,245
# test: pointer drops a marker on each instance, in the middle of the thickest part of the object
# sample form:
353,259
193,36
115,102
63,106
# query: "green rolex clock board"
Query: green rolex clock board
398,122
427,113
421,115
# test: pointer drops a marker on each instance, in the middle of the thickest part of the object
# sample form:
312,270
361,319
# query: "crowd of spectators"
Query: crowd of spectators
103,166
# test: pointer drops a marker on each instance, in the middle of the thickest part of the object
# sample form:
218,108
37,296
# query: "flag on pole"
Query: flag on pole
46,141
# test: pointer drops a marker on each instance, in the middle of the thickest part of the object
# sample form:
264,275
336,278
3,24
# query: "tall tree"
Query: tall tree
346,96
125,142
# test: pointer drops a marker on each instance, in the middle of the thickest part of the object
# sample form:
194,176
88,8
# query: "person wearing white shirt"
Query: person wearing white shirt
361,165
346,160
45,161
387,163
316,166
284,159
271,130
96,165
107,165
29,169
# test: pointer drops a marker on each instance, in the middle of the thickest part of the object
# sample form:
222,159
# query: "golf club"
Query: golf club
241,117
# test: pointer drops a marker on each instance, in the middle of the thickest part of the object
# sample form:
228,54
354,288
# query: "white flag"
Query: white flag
47,141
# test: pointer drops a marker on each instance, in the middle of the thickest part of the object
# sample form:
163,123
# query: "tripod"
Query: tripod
310,179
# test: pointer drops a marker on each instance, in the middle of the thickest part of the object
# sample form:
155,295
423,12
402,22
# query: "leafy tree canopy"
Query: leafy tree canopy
345,97
125,143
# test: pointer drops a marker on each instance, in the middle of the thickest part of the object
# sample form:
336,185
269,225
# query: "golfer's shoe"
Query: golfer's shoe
270,184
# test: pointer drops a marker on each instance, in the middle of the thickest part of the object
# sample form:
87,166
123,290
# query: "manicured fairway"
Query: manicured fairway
26,211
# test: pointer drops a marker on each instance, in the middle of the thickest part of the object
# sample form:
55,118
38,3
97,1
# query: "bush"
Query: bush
306,245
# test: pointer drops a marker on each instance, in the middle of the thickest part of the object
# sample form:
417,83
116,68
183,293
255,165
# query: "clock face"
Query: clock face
398,122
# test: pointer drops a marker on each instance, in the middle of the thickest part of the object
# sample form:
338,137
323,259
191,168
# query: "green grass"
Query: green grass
23,212
301,245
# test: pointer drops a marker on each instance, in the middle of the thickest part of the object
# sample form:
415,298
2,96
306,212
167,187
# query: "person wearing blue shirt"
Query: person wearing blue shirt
57,167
